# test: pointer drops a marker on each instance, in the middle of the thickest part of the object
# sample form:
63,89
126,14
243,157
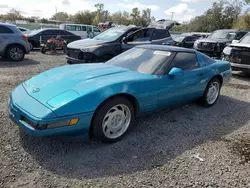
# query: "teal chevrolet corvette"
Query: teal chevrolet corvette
104,99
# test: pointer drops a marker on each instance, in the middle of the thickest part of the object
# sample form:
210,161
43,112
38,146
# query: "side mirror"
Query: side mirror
235,41
175,72
125,40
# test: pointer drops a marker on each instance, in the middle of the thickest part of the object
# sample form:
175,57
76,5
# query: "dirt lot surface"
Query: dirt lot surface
191,146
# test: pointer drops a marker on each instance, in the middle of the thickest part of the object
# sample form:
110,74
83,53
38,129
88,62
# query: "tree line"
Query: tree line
135,17
224,14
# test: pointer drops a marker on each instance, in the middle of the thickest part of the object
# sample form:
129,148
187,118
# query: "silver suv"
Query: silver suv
13,43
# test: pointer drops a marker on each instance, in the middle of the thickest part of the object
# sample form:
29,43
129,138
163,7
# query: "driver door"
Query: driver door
139,37
185,87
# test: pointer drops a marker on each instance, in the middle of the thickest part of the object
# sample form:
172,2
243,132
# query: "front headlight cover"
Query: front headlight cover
63,98
227,50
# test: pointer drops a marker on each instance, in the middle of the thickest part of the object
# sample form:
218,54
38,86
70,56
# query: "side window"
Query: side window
62,32
142,35
51,32
207,60
185,61
96,29
5,30
240,35
159,34
74,28
84,28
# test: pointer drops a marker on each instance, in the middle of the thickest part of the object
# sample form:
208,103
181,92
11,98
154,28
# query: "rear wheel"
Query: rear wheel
113,119
15,53
212,92
31,45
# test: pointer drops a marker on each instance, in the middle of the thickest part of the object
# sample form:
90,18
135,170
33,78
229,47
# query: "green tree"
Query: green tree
62,16
145,18
13,15
135,16
83,17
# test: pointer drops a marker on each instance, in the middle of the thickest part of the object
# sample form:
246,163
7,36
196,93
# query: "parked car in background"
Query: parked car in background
113,42
106,25
42,35
238,54
13,43
217,41
84,31
185,40
103,99
24,30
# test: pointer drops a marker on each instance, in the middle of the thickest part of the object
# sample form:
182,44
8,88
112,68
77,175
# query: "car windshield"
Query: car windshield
179,38
141,60
220,34
110,34
246,39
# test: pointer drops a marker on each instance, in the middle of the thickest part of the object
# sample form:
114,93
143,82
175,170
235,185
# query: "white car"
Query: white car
238,54
84,31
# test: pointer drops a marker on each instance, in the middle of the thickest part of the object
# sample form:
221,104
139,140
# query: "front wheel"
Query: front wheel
43,50
113,119
212,92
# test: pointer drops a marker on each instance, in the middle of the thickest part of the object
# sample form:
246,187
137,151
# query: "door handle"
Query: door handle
200,74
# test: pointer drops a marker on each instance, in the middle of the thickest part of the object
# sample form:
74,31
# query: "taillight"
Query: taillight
25,37
82,37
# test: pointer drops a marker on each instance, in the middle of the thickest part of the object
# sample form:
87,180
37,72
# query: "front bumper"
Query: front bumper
23,116
240,67
235,65
71,60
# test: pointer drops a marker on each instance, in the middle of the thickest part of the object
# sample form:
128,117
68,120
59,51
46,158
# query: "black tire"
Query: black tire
31,45
64,49
97,123
204,98
70,62
105,58
43,50
10,53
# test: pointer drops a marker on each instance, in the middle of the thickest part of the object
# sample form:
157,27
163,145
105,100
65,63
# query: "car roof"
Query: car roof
125,28
165,48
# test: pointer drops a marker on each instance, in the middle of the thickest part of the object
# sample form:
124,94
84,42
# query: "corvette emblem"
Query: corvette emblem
36,90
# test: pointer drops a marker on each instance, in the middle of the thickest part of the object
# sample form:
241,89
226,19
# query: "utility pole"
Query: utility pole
56,13
172,15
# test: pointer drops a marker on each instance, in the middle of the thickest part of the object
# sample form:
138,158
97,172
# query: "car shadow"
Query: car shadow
26,62
241,76
156,140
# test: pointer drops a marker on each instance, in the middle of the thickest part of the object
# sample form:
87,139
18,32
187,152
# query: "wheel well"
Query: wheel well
14,45
131,98
219,77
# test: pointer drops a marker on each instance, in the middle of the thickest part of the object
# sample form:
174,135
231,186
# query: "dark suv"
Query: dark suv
217,41
43,35
113,42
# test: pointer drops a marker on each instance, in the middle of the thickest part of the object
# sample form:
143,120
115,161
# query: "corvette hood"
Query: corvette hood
85,43
69,82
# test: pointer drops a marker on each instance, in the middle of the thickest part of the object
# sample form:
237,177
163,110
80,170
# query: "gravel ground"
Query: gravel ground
190,146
